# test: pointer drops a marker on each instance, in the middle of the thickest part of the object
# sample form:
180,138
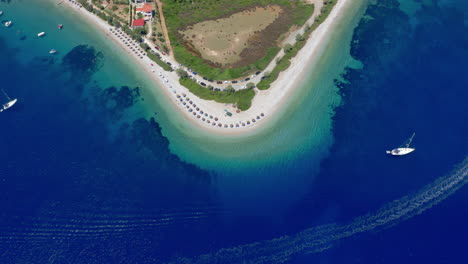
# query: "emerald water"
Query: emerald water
97,166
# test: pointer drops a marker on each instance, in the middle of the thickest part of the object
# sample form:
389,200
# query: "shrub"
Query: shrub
181,73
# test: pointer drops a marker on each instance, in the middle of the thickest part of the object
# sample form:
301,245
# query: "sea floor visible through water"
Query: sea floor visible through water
95,168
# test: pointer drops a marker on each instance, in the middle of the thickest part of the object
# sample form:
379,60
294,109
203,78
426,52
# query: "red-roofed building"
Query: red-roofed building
137,23
146,10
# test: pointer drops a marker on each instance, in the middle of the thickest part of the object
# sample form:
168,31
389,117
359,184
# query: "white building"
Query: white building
146,10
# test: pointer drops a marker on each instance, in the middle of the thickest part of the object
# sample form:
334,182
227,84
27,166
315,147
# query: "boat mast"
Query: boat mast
411,139
6,95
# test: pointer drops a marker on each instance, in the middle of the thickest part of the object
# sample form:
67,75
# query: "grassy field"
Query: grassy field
286,60
223,40
182,14
242,98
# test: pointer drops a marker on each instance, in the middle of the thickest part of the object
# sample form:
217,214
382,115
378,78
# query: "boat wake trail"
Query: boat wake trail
108,224
320,238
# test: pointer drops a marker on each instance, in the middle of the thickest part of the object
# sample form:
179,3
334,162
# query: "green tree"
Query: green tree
181,73
250,85
117,24
230,89
288,47
144,46
299,37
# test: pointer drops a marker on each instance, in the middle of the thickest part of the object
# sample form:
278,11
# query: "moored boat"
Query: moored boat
41,34
60,26
8,23
1,12
404,149
9,104
52,51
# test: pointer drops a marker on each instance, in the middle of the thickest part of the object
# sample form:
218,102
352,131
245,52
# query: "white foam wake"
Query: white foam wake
320,238
103,224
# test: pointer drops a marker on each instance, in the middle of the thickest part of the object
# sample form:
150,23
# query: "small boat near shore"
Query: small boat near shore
41,34
52,51
9,104
403,149
8,23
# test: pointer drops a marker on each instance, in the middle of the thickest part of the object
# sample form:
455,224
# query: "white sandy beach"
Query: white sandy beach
265,105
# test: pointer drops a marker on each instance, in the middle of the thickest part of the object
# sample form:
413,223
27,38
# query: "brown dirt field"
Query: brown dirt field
222,40
252,48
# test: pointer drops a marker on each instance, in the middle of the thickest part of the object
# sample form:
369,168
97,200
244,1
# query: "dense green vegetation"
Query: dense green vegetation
180,13
200,66
113,20
158,61
290,52
105,15
242,98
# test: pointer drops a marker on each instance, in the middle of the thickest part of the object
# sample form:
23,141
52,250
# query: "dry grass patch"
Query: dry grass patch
223,40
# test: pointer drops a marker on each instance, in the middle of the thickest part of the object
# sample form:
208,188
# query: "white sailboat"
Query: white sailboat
403,149
52,51
8,23
9,104
41,34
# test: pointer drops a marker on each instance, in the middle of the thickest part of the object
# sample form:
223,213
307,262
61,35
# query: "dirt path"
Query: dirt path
164,28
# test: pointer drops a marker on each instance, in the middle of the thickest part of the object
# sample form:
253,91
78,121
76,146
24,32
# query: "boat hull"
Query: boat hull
400,151
8,105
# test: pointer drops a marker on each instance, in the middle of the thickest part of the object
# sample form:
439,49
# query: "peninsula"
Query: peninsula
227,66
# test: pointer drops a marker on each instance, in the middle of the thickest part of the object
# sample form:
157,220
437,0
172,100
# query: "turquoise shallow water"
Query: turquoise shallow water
288,136
87,177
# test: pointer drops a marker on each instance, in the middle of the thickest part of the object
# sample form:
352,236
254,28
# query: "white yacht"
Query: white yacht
52,51
403,149
8,23
41,34
9,104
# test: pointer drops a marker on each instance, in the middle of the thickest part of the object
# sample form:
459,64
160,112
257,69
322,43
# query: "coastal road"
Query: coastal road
164,29
291,39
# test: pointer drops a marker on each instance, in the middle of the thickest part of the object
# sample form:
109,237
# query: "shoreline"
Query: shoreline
266,103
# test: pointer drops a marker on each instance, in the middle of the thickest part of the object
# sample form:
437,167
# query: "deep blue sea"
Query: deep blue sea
84,178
